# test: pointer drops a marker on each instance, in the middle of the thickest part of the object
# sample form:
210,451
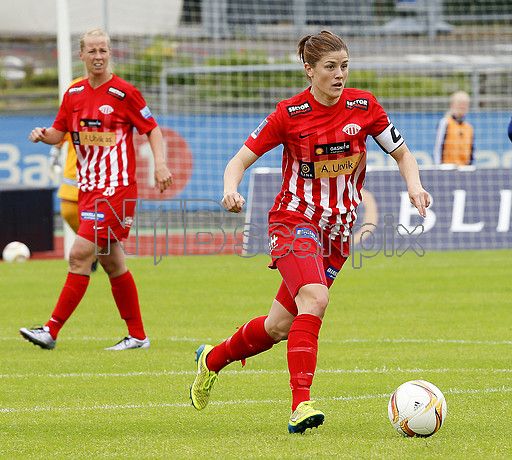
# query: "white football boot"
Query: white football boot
39,336
129,343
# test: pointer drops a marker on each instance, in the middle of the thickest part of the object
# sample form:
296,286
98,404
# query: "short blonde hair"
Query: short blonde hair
94,33
459,96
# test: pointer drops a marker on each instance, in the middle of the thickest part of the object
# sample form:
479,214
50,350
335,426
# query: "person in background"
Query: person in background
100,112
323,130
454,142
68,190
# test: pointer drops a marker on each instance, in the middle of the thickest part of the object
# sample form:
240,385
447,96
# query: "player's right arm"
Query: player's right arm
50,136
233,174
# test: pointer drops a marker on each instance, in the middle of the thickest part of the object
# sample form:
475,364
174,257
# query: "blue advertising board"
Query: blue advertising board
213,139
471,209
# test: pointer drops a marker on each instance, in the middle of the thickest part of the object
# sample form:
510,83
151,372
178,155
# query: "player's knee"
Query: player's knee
79,259
313,299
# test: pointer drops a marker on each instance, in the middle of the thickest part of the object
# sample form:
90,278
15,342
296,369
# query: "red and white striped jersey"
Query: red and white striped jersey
101,122
324,155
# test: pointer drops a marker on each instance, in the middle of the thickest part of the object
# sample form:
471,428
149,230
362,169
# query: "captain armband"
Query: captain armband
389,139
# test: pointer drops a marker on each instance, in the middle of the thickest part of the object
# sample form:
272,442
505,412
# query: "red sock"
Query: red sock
127,301
251,339
302,351
72,292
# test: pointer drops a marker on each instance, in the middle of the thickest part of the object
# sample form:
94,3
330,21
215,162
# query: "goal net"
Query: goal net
211,70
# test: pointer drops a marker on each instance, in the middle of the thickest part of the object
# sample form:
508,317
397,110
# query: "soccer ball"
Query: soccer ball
417,408
16,252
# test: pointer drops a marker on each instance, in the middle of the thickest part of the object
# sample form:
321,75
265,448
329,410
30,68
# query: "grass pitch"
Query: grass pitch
446,318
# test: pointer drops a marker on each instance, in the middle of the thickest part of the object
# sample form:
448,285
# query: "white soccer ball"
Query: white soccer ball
16,252
417,408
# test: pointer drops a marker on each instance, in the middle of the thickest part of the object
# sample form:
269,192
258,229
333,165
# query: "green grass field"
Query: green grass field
446,318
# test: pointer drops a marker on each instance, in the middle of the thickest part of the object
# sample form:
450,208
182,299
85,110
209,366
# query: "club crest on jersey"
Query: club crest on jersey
351,129
106,109
357,104
116,93
294,110
256,132
76,89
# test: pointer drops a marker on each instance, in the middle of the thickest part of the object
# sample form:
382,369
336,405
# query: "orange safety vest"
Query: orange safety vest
458,143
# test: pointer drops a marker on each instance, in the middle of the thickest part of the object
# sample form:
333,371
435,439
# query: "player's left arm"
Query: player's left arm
409,170
163,177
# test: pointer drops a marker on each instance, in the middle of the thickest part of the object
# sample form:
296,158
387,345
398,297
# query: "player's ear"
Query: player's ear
308,69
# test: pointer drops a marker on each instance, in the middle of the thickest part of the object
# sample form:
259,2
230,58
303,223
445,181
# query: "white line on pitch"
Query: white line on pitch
4,337
378,370
421,341
98,407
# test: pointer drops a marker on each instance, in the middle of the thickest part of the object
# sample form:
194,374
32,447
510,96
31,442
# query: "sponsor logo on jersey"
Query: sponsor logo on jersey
303,136
100,139
128,221
351,129
76,89
255,133
145,112
332,149
303,232
357,104
116,93
106,109
91,215
329,168
90,123
294,110
331,272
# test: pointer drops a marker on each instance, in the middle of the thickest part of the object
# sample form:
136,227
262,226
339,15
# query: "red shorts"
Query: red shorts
303,254
107,218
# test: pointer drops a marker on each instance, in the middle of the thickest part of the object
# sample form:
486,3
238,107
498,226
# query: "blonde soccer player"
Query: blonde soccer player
100,112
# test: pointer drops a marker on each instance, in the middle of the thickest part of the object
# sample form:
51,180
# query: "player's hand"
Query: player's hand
420,199
163,177
37,134
233,202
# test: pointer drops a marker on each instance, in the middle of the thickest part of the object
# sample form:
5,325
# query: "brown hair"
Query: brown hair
94,33
311,48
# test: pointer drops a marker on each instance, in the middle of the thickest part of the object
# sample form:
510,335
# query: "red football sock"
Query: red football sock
302,351
72,292
251,339
127,301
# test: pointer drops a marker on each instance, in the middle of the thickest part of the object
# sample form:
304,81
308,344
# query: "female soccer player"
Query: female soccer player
100,112
323,130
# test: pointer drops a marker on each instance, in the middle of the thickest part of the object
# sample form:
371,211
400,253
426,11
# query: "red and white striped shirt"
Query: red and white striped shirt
324,155
101,122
